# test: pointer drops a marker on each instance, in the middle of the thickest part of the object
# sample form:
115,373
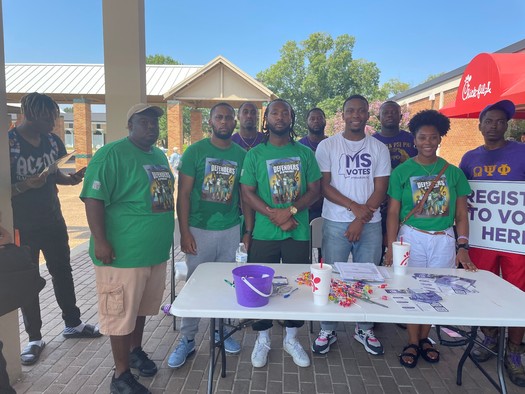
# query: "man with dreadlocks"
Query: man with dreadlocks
280,180
38,217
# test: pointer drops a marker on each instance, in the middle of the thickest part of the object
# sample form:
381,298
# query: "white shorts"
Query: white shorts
429,250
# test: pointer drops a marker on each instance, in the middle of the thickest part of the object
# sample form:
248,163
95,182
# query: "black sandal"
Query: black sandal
425,351
89,331
31,353
413,357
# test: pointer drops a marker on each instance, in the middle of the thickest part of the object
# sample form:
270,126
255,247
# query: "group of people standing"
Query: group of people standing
369,190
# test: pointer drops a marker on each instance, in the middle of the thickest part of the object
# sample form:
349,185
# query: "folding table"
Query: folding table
497,304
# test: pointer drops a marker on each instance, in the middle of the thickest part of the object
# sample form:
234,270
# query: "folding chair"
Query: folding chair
316,236
316,240
464,334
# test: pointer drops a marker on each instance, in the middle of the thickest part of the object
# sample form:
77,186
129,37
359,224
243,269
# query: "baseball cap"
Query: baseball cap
141,107
506,106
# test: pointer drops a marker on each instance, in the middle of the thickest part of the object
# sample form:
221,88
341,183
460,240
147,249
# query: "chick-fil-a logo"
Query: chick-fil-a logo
482,90
315,281
406,256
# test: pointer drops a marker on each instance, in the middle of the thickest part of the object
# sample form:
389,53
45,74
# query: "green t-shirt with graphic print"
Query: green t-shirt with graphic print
409,182
214,199
137,190
281,175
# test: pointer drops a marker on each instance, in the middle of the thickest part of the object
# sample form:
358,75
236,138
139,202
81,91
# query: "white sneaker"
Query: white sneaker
294,349
260,352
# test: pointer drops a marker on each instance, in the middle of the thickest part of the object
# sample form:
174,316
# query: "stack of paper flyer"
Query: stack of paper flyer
366,272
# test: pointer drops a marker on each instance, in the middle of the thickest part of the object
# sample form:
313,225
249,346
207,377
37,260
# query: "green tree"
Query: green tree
161,59
432,76
320,71
516,129
392,87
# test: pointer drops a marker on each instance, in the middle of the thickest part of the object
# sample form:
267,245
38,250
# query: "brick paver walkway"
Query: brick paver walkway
85,366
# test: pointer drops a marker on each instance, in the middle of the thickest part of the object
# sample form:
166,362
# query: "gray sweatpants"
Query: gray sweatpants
212,246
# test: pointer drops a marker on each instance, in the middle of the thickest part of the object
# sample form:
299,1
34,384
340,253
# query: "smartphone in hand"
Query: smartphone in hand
80,172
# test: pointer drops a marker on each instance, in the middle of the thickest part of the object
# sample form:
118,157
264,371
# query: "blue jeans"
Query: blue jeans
337,248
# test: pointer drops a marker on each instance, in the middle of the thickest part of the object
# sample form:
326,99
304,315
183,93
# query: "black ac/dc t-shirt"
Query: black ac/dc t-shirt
35,208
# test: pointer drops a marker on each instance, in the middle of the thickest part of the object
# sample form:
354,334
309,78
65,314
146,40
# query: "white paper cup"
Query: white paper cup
321,279
400,257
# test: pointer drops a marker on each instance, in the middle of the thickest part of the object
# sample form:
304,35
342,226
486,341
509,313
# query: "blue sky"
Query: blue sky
408,40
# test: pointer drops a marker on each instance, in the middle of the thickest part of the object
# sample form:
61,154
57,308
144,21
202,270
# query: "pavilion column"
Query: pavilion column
83,139
174,122
9,325
124,62
196,126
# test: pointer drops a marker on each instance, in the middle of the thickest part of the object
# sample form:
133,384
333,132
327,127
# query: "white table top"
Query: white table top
498,303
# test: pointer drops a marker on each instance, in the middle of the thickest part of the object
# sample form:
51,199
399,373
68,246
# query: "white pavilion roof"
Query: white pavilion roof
68,81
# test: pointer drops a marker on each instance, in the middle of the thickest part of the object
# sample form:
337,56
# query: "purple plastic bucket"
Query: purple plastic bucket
253,284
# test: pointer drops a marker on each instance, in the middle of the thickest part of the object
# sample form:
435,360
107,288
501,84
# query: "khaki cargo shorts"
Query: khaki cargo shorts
125,293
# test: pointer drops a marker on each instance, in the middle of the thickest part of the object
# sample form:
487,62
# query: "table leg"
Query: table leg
221,348
501,357
211,366
471,341
220,345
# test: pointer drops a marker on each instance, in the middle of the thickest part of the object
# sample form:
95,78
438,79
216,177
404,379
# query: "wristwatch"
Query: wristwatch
293,210
462,246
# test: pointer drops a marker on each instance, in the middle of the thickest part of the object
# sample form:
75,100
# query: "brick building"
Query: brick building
441,92
98,129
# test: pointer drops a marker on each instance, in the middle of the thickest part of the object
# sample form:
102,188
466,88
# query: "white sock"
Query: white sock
37,343
80,327
291,333
264,335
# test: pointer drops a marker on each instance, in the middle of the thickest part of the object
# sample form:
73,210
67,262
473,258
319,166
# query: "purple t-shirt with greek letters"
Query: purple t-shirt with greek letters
400,146
503,164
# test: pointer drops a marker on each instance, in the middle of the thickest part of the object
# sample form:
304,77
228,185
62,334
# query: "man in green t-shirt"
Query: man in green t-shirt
128,193
280,180
208,211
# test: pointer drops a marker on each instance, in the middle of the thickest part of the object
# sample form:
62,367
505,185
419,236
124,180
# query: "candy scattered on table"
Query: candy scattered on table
343,293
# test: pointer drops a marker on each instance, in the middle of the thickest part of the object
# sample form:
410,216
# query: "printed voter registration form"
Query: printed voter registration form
365,272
